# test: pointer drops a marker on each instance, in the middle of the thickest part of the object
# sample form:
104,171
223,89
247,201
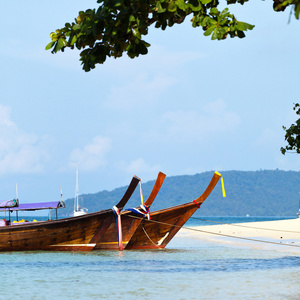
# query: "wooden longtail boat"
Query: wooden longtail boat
165,223
108,240
68,234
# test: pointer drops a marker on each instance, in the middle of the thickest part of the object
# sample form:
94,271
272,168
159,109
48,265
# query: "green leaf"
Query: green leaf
214,11
297,10
141,48
214,35
181,4
136,33
205,1
204,21
50,45
212,22
118,3
244,26
223,22
146,44
209,30
131,19
159,8
240,34
61,43
76,27
225,11
74,40
195,5
172,7
53,36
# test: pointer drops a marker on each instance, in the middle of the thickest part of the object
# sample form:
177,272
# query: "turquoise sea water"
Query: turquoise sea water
187,269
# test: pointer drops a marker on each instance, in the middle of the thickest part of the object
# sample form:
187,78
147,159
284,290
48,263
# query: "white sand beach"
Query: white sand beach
282,235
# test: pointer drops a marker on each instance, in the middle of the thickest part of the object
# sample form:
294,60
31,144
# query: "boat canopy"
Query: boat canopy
35,206
9,203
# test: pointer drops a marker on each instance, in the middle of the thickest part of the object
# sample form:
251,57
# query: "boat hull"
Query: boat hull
165,223
70,234
109,240
163,226
77,233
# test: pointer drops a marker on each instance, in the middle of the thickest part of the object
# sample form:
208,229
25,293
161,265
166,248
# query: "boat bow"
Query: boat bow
165,223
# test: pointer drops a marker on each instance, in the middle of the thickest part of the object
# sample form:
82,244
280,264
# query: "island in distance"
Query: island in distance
253,193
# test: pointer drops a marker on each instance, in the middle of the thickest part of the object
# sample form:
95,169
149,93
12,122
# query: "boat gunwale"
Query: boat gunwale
56,221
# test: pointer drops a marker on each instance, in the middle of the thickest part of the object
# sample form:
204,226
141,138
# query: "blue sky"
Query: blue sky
191,105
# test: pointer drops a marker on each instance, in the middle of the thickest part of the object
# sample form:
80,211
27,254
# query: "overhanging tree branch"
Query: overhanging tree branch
119,26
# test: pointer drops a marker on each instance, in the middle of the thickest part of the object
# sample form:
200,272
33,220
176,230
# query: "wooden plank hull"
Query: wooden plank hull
109,240
164,224
70,234
99,230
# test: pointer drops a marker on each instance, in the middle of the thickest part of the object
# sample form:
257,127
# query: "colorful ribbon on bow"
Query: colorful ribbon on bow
222,183
141,193
144,210
119,227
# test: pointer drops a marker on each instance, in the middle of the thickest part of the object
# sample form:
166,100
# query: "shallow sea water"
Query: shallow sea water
187,269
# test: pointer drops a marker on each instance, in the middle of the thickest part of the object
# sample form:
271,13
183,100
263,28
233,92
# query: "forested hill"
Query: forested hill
256,193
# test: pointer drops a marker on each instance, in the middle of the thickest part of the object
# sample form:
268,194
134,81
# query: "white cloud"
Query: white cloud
69,60
139,165
5,120
92,155
158,58
147,77
171,59
20,152
140,168
140,90
194,125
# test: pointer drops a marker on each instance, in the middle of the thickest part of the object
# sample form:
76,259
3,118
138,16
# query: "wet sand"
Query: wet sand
282,235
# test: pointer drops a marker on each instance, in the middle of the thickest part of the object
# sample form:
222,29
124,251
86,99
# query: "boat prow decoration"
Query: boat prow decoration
213,182
128,224
165,223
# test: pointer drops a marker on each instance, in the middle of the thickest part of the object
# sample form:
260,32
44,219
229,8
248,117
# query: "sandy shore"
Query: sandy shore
282,235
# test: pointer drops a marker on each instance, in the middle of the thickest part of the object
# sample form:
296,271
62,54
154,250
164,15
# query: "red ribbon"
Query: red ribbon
196,203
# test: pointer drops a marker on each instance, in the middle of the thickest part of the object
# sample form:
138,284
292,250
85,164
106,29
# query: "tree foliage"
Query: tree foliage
119,26
292,134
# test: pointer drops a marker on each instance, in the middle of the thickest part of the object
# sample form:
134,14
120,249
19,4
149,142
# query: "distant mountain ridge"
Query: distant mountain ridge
254,193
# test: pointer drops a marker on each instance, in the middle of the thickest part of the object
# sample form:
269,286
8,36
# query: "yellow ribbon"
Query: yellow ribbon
222,183
141,193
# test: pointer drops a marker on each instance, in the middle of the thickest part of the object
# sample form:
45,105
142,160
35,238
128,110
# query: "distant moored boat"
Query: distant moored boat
78,211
